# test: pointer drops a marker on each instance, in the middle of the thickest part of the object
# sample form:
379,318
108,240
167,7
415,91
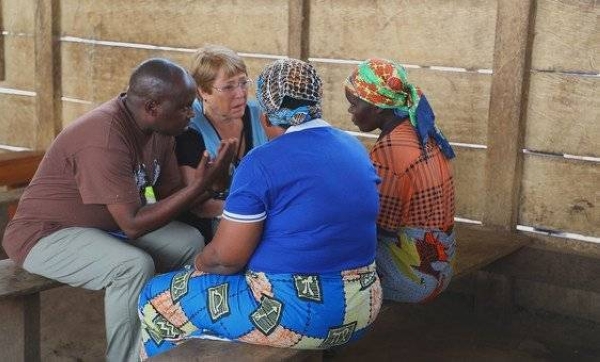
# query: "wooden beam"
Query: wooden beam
510,80
47,87
298,31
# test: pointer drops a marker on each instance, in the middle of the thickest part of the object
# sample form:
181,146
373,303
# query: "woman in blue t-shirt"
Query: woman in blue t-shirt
292,261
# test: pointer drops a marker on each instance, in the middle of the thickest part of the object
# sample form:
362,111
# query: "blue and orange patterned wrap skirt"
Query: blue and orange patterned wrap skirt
283,310
415,265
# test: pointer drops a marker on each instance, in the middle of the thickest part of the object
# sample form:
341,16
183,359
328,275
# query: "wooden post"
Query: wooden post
508,100
47,87
2,60
298,31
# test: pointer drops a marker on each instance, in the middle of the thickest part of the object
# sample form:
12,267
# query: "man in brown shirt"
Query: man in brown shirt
99,211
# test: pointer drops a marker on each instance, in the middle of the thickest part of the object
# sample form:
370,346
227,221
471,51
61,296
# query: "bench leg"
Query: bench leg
20,328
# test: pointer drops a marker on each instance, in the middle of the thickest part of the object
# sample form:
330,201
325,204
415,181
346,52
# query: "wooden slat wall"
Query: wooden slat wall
567,36
563,117
18,22
564,102
100,72
18,16
19,62
561,194
258,26
433,32
561,110
17,118
564,114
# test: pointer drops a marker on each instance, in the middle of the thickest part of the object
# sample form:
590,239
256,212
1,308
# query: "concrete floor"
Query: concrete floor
444,330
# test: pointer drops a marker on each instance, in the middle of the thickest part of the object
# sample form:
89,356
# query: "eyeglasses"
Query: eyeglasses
231,87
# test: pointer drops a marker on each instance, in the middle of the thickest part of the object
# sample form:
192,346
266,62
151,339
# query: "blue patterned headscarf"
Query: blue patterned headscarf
292,78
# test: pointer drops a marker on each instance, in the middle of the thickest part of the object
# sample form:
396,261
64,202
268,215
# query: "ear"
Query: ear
264,120
151,107
201,94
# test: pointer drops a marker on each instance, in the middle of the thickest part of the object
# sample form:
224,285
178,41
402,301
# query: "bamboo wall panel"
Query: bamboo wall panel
564,114
460,99
567,36
259,26
19,66
561,194
456,33
18,120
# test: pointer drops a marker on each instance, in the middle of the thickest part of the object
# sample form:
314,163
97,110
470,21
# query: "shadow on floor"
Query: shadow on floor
447,329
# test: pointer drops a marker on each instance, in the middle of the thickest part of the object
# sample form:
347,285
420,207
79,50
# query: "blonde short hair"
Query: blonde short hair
209,60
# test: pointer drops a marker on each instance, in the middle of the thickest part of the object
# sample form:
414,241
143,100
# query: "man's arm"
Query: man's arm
136,221
231,248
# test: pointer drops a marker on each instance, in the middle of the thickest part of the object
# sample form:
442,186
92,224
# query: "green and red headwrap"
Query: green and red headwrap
384,84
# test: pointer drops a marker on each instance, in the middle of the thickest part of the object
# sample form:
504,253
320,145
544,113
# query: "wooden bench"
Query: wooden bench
20,312
477,247
17,168
19,290
212,350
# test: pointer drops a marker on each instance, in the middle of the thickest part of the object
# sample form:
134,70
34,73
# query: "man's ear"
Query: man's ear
151,107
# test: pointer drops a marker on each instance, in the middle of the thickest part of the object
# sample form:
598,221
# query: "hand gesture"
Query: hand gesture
215,174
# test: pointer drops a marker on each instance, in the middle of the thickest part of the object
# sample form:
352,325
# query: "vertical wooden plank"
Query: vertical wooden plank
298,28
46,67
2,75
512,59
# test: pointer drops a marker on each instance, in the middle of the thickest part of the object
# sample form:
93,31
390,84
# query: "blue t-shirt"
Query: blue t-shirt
316,190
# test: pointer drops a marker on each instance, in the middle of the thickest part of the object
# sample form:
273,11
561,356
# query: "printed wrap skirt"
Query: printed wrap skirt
415,265
284,310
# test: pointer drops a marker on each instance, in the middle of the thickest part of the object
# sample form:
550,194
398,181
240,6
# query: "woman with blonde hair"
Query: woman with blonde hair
222,111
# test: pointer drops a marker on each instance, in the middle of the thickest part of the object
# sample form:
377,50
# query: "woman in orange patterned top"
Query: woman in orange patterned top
416,245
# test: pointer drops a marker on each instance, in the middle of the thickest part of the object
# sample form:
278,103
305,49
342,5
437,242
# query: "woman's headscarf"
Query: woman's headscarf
384,84
292,78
